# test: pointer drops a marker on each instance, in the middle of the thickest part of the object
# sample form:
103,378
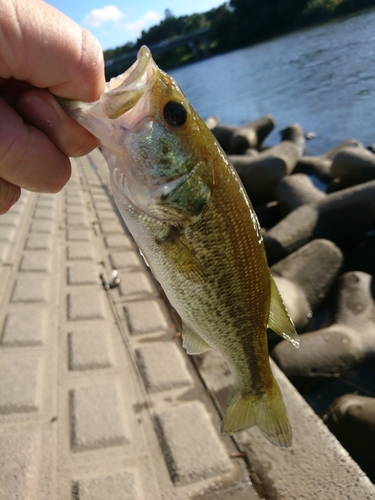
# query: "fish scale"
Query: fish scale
190,216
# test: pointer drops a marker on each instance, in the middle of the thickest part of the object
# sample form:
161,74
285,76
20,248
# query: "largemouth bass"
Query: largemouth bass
192,220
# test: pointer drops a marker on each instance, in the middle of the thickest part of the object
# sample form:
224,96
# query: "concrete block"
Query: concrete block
20,380
162,367
36,261
192,449
39,242
42,226
112,226
96,417
78,234
83,273
19,449
7,233
31,288
25,327
118,240
80,251
145,316
89,349
118,486
135,284
129,259
10,219
86,305
44,213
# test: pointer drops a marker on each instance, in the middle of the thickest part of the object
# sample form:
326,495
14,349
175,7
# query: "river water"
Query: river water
322,78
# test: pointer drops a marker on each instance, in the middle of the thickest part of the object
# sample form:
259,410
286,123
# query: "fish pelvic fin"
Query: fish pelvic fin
192,342
267,411
279,320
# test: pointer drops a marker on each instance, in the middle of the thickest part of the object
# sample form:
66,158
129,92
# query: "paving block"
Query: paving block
118,240
78,234
89,349
29,288
10,219
98,195
106,215
74,200
47,198
75,210
36,261
135,284
118,486
20,380
80,251
4,251
126,259
42,226
19,449
93,181
192,449
162,367
39,242
103,205
26,327
7,233
76,220
96,417
47,204
44,213
86,305
112,226
145,316
83,273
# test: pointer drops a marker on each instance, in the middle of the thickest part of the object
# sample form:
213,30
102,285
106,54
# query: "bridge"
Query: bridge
193,40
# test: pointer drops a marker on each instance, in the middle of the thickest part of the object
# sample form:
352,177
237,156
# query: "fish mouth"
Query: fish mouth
125,91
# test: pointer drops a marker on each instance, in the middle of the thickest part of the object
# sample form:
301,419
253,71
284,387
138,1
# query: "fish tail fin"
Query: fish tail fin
267,411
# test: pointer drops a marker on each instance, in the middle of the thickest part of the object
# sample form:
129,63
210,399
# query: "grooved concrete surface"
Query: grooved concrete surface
97,398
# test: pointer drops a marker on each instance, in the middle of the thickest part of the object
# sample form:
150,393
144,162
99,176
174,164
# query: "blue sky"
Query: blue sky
122,21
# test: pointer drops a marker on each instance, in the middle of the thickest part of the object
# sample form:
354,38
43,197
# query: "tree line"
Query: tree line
237,23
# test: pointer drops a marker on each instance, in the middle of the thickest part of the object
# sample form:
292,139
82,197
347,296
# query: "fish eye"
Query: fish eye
175,114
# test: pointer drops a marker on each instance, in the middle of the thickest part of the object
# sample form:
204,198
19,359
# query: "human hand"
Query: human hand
42,52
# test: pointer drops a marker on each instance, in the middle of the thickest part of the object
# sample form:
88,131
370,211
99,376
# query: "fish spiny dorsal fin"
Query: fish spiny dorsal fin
279,320
192,342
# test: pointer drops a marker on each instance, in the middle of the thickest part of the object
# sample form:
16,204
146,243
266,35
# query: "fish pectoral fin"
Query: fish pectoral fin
182,258
279,320
267,411
192,342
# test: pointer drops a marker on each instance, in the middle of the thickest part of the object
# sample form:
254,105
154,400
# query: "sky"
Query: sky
122,21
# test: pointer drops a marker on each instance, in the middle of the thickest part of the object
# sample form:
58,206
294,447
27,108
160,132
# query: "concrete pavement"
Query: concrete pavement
98,400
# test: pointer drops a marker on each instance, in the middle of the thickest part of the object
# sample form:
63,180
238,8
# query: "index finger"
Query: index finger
44,47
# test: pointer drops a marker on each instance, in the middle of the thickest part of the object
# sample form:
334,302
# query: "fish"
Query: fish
193,222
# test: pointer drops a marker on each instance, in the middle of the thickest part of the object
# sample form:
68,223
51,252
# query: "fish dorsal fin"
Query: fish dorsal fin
279,320
192,342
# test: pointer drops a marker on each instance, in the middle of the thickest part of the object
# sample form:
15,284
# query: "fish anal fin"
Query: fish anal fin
267,411
279,320
192,342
